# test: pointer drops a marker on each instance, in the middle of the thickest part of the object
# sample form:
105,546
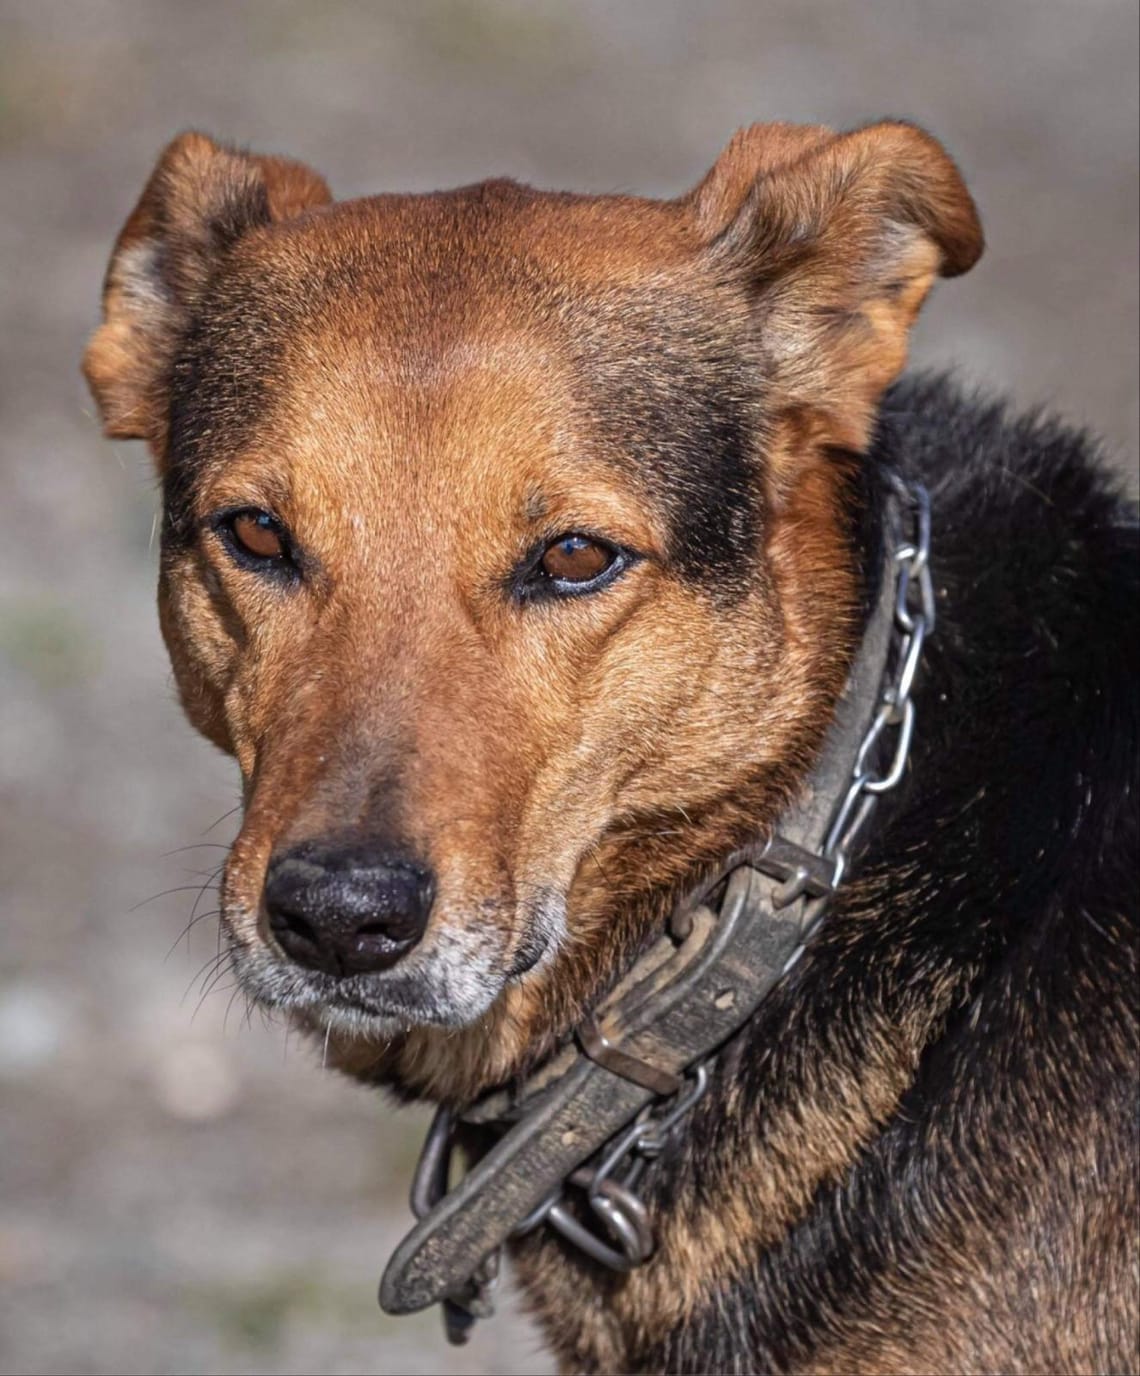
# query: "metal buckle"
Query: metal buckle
802,871
598,1047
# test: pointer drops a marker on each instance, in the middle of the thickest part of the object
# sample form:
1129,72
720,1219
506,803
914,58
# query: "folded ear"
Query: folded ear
201,198
837,238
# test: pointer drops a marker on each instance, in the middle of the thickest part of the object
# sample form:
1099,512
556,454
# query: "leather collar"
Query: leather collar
587,1121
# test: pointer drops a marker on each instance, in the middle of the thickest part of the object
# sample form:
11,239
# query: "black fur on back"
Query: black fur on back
1002,877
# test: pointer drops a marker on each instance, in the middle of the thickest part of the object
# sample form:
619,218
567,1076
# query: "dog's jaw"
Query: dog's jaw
450,983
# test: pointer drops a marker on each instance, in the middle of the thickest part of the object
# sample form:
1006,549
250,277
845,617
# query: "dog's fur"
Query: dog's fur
920,1155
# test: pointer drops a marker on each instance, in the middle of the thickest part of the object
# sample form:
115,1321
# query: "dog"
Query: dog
519,547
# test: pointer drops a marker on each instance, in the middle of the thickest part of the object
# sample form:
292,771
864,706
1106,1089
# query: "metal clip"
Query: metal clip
429,1183
615,1202
802,871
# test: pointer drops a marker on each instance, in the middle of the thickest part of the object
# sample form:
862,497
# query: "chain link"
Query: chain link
914,621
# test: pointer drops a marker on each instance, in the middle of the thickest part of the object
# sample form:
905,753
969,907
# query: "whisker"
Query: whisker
599,866
178,888
185,932
194,915
210,968
209,880
237,992
236,808
210,980
214,988
197,845
207,875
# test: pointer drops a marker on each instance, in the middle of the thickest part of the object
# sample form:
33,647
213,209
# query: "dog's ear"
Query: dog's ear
837,238
200,199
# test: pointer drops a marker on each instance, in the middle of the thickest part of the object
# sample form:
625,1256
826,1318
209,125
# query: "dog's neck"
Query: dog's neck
745,1165
679,1009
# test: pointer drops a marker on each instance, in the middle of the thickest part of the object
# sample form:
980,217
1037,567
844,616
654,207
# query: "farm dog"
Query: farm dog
521,548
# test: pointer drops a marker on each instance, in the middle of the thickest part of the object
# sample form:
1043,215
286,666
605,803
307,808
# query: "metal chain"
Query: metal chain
914,621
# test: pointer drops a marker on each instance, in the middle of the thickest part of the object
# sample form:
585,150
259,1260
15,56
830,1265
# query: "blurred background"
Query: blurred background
180,1191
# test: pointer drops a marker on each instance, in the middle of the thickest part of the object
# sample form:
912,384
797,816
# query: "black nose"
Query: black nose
346,909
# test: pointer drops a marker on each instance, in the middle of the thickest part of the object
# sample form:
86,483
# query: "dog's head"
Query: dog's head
506,546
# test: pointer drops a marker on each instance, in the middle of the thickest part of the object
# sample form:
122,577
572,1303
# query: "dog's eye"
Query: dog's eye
256,539
576,559
258,534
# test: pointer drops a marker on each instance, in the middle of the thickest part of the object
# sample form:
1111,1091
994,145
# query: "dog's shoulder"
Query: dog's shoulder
1009,864
1037,569
1022,795
970,1007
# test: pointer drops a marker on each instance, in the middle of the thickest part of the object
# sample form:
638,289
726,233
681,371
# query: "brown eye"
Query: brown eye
576,559
257,533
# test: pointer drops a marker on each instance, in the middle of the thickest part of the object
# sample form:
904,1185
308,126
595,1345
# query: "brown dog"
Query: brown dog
517,545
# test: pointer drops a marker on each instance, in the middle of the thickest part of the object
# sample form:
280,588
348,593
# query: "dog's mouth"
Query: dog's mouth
451,979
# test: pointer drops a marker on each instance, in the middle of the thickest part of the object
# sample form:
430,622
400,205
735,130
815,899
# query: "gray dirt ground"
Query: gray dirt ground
180,1192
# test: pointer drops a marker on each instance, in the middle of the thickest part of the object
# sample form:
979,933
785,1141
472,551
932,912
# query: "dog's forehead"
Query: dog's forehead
425,265
549,325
